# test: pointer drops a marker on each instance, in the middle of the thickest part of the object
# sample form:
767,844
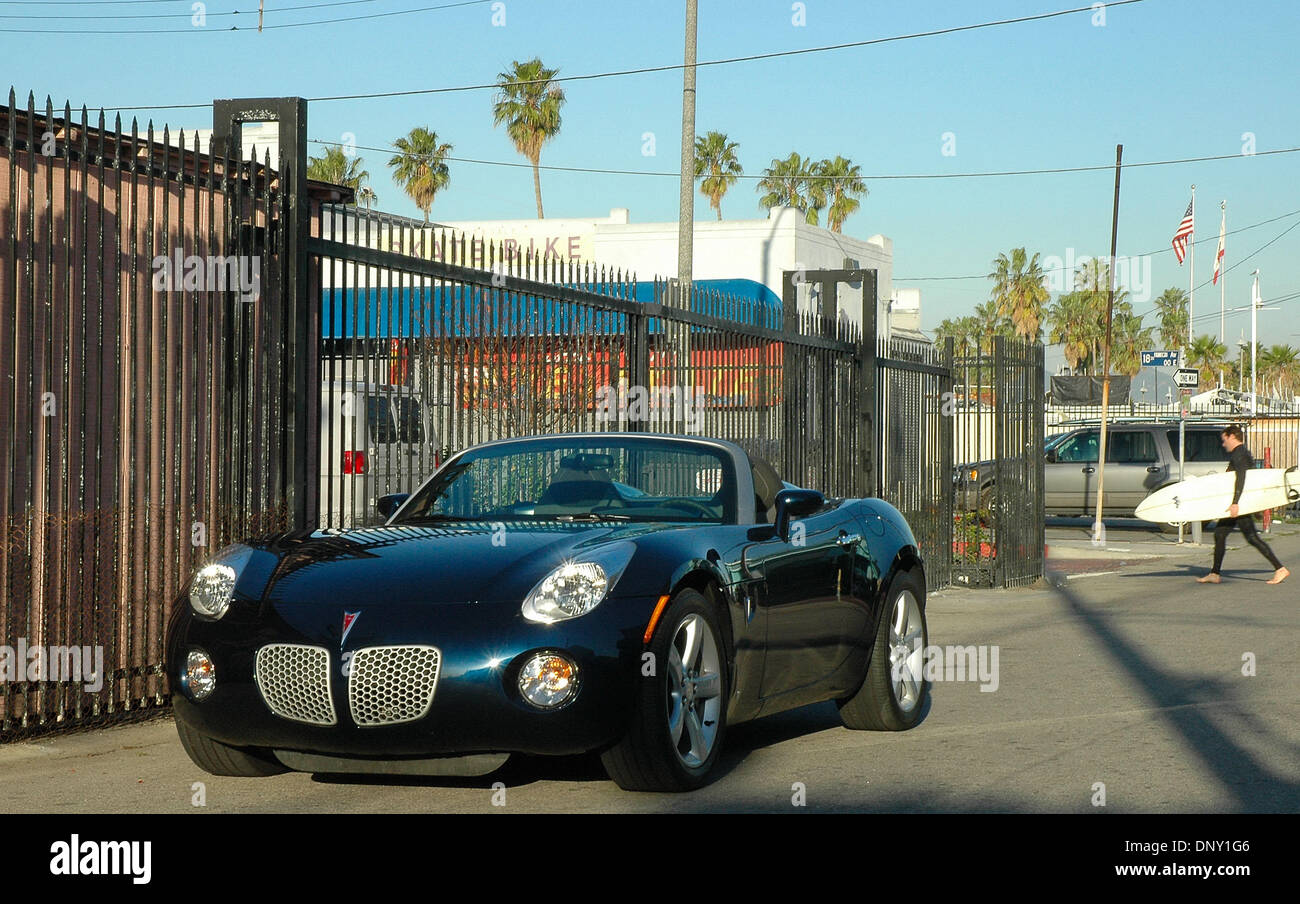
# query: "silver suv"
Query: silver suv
1140,459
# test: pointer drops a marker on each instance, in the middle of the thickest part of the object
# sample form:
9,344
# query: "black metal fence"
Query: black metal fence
144,345
436,341
997,407
914,444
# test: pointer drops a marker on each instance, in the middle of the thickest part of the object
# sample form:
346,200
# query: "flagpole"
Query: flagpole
1191,270
1223,280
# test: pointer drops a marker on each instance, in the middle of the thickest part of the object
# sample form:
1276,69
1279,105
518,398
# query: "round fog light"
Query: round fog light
548,679
200,677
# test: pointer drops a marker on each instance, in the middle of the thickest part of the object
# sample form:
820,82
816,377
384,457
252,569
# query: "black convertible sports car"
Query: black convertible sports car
632,594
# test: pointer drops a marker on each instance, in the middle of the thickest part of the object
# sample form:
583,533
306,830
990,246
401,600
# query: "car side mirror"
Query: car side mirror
791,504
386,505
1050,456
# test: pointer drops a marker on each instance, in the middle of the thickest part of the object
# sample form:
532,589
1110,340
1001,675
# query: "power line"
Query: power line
672,67
1264,302
878,177
200,30
1252,254
181,15
84,2
1146,254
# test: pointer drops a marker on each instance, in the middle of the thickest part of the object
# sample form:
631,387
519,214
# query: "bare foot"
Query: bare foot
1280,575
1210,578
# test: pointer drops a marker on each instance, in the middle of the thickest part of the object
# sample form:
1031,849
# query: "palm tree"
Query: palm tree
529,105
789,183
1092,283
420,167
1207,354
1279,368
338,168
1171,308
1071,325
366,195
1020,291
990,323
1128,339
842,184
961,331
715,160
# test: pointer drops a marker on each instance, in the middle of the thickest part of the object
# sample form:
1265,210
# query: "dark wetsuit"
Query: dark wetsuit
1239,460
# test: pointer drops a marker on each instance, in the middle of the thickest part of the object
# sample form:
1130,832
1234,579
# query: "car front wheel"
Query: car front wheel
679,719
222,759
892,697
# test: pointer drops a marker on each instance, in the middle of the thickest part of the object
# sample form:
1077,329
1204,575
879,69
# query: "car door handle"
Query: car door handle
1154,469
1089,470
849,539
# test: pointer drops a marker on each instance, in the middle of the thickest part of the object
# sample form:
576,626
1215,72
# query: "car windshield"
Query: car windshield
572,480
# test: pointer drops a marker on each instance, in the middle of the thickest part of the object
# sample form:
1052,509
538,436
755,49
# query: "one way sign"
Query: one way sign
1187,377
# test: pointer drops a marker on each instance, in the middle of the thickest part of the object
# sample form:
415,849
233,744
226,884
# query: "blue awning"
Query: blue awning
468,311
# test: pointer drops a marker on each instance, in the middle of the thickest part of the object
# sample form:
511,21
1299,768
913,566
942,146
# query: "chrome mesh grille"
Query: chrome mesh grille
295,682
388,685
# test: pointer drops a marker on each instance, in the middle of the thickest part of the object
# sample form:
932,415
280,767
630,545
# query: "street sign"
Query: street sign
1187,377
1159,359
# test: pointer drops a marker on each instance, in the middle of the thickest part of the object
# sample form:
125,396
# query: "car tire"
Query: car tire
683,704
883,703
222,759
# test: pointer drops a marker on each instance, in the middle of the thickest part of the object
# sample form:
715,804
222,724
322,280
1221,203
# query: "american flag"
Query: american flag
1182,234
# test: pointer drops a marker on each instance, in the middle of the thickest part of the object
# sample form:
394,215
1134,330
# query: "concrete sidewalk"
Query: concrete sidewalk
1070,549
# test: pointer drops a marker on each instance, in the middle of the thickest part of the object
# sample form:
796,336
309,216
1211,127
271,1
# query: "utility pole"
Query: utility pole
1098,531
261,8
1254,322
686,200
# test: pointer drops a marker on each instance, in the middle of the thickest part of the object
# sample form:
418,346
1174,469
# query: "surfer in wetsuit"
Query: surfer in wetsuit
1239,460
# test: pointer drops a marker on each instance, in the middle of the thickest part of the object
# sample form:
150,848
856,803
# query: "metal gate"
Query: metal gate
997,415
149,347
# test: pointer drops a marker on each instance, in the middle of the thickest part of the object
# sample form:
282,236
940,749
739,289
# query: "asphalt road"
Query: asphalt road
1129,677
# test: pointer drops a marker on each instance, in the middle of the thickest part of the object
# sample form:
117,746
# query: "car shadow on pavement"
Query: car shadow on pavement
1254,785
519,770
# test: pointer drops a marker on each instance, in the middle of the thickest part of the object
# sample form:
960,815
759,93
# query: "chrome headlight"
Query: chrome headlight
213,586
578,586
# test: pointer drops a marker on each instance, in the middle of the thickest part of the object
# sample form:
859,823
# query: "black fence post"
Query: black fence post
791,363
301,434
638,358
947,430
1037,458
1000,494
868,398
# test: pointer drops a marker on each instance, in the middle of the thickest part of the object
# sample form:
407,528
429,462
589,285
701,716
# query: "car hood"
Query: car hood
441,564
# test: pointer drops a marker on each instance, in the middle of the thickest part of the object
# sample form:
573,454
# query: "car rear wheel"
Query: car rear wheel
893,694
679,719
222,759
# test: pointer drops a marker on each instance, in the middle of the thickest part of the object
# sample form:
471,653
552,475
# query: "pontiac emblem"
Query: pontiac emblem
349,619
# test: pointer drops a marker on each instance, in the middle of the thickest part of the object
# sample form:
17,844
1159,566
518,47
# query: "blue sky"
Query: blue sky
1167,78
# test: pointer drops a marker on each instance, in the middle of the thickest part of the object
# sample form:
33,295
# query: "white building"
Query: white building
903,318
754,250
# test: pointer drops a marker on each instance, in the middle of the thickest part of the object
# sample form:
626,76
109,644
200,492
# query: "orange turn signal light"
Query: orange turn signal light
654,617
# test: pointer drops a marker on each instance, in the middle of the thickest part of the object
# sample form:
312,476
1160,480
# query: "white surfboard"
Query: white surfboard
1207,498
